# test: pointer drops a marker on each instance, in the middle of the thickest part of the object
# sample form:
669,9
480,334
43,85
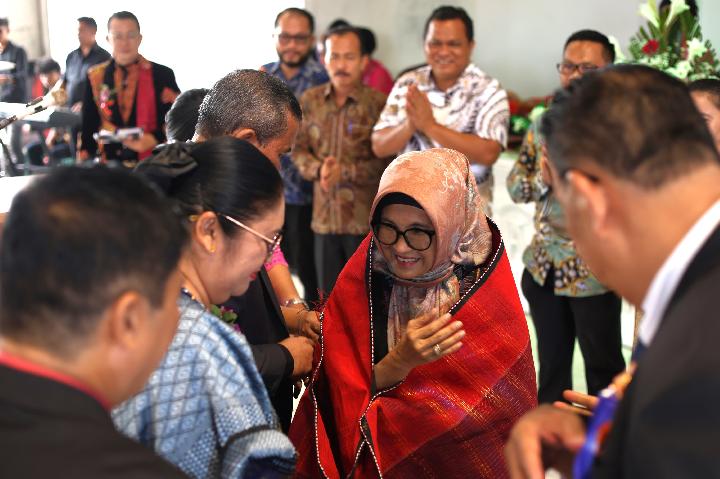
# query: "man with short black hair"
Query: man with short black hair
566,300
448,103
13,83
89,282
636,171
296,66
333,150
125,92
80,60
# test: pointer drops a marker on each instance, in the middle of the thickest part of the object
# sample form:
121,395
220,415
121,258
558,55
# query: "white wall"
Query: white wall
200,40
27,27
517,41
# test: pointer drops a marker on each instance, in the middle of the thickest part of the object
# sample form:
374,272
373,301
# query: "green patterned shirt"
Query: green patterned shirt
551,247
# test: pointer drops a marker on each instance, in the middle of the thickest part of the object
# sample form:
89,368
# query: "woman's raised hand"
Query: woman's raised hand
428,338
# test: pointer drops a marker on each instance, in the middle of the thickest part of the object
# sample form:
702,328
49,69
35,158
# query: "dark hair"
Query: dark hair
337,23
4,22
76,239
367,40
596,37
297,11
182,117
708,86
347,30
124,15
248,99
225,175
633,121
90,22
47,66
445,13
690,3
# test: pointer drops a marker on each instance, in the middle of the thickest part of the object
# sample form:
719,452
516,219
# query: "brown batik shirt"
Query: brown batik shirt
343,132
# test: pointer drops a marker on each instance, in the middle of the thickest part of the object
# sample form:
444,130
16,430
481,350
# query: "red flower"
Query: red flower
651,47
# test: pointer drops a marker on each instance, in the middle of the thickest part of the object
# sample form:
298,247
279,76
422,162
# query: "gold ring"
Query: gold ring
437,349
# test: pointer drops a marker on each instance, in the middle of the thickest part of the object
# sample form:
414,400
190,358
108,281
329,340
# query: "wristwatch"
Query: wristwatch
294,301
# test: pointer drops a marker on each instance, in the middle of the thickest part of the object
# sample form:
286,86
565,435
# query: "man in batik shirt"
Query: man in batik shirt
333,150
566,300
448,103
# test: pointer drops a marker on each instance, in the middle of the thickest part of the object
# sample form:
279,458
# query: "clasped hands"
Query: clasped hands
330,173
419,110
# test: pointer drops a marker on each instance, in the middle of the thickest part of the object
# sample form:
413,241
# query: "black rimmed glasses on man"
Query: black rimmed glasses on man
416,238
568,68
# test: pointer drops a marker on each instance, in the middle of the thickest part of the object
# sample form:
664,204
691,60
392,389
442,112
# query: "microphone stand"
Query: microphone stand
7,168
57,96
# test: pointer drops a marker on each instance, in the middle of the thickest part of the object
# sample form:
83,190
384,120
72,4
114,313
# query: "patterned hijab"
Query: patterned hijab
440,181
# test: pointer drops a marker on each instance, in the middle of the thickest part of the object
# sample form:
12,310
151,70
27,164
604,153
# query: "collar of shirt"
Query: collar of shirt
307,69
426,73
353,95
28,367
671,272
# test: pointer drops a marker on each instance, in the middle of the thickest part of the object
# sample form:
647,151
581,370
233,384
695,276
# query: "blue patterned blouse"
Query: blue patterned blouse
205,408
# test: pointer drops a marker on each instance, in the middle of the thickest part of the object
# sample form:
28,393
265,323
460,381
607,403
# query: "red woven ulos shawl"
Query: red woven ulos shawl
449,418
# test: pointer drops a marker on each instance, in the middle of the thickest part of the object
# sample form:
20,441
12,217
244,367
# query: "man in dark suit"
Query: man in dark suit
126,91
259,108
638,176
89,284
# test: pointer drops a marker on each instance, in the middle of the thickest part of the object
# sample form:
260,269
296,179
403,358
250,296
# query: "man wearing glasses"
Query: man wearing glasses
124,92
294,41
448,103
566,300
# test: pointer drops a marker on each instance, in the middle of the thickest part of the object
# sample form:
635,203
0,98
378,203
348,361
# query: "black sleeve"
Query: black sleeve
275,364
90,121
167,81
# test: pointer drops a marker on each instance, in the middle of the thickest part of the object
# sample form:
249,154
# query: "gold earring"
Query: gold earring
212,249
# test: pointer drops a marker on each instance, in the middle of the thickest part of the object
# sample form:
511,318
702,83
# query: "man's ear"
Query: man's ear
126,318
247,134
590,197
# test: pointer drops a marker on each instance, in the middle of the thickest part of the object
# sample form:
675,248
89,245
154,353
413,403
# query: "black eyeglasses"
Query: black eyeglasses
416,238
568,68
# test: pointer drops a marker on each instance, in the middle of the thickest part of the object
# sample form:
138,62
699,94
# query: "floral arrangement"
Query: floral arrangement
672,42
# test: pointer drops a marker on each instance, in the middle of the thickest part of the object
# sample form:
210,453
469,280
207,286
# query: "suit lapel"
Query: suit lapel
707,259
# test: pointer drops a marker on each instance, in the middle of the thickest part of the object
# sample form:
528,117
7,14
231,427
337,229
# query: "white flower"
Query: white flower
681,70
696,49
676,8
650,12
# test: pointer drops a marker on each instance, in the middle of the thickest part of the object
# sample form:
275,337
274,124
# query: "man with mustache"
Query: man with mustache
294,40
447,103
333,150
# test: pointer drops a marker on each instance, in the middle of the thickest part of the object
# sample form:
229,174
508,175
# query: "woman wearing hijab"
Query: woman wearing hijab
400,388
